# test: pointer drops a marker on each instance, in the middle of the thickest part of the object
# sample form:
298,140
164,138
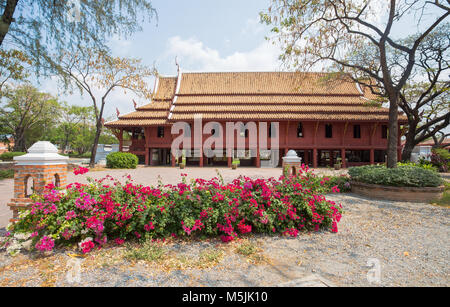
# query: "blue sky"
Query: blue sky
205,35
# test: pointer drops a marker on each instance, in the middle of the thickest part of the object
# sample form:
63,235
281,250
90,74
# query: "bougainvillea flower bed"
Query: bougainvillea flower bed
92,214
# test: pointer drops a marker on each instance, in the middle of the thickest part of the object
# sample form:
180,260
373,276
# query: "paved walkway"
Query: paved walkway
150,176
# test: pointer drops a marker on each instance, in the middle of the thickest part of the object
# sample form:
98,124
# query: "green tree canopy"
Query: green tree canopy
40,28
27,115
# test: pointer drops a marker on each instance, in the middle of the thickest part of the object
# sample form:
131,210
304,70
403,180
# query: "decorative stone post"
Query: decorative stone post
41,166
291,163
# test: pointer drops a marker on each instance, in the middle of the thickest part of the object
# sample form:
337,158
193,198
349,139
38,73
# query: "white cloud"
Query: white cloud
193,55
120,47
253,26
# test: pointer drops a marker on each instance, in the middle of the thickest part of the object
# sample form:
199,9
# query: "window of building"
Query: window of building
300,130
160,131
356,131
328,131
384,132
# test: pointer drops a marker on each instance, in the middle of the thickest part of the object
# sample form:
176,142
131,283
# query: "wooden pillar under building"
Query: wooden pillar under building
147,156
315,157
121,140
173,160
399,154
258,158
372,156
344,164
306,162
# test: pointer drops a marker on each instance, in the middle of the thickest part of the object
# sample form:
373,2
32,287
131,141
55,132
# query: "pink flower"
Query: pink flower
45,244
226,239
80,170
87,246
70,215
119,241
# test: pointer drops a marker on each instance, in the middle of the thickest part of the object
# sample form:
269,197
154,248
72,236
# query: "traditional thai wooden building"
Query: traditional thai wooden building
322,117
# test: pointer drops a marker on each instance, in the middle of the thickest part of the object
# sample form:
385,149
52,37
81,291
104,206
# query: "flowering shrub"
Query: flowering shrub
107,210
440,158
80,170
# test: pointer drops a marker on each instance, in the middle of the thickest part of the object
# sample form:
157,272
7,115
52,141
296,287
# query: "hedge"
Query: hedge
6,173
8,156
401,176
121,160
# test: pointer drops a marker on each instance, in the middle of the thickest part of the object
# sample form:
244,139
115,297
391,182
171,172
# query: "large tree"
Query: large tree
39,28
27,114
73,123
97,74
425,99
14,66
345,34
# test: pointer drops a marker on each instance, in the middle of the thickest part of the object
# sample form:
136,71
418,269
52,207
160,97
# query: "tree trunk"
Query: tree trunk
393,132
19,140
99,127
407,150
94,147
410,141
7,18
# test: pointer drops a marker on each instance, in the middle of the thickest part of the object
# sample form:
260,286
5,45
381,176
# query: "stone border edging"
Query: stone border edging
410,194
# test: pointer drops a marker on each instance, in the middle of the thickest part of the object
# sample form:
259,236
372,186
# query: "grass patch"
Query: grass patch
247,248
445,199
156,253
251,251
147,252
210,256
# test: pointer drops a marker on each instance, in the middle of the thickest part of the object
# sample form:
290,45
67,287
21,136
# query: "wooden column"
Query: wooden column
344,165
258,158
331,158
315,157
306,162
172,159
147,145
121,140
372,156
147,155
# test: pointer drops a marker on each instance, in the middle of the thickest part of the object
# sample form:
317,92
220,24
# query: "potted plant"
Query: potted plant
235,164
338,164
183,162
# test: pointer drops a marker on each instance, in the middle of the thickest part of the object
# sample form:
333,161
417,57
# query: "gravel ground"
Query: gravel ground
409,240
